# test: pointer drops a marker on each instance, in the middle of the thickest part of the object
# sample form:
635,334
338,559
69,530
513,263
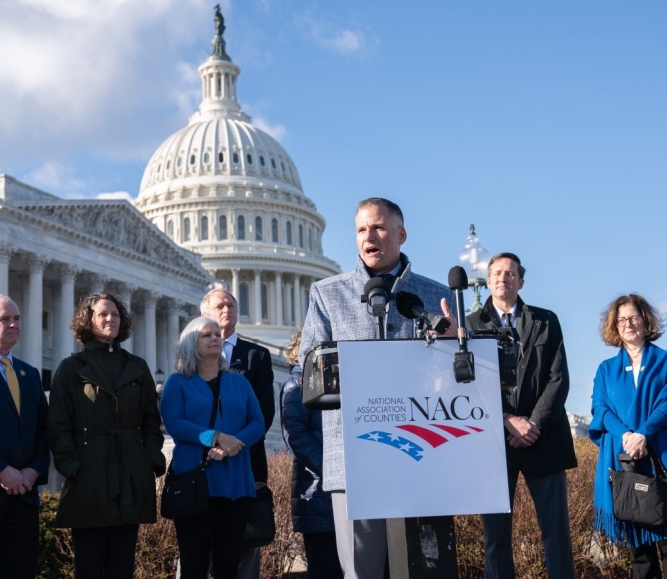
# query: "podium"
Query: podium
420,447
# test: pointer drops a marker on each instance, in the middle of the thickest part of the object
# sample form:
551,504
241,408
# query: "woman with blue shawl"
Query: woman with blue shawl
629,413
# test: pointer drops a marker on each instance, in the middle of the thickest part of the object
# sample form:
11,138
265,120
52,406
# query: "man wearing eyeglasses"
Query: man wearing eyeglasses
538,438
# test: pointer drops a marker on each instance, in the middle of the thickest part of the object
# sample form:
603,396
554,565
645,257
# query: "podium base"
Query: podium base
422,548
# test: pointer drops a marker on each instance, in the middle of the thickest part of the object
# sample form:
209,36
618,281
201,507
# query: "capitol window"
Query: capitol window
240,227
300,235
170,228
274,230
179,161
235,157
192,159
204,227
249,158
207,158
221,157
186,229
282,165
222,227
258,228
262,162
288,231
273,163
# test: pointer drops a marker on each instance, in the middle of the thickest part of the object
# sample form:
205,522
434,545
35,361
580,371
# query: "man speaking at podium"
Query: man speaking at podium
538,438
337,313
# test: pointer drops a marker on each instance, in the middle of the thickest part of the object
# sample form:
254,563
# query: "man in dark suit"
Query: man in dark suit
254,362
538,438
24,451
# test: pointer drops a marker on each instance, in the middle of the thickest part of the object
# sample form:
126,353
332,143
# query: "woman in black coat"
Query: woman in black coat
312,513
104,433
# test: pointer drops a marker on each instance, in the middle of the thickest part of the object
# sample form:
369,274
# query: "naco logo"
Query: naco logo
413,439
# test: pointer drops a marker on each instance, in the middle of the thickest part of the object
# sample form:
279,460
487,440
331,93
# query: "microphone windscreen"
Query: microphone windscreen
374,282
405,302
458,278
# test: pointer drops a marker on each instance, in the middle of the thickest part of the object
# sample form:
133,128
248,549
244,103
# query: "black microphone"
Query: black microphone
376,296
464,361
458,281
411,306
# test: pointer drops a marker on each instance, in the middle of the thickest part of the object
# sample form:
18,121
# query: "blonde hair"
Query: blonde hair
292,354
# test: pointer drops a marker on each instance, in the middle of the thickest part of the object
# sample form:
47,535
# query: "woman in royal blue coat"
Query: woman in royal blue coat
187,401
630,413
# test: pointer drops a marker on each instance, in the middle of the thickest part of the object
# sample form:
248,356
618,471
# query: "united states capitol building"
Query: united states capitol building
220,204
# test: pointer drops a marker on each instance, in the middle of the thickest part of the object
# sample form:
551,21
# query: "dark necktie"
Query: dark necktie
508,319
388,280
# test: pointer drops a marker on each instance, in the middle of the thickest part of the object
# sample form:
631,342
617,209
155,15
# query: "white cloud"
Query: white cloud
54,176
344,40
278,132
187,94
94,71
258,115
115,195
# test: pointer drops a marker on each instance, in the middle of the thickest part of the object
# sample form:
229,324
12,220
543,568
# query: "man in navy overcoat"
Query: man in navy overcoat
24,451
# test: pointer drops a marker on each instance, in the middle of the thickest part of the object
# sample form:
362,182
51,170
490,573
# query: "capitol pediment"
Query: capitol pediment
115,225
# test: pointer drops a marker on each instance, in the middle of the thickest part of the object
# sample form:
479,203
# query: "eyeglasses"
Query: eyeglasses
622,322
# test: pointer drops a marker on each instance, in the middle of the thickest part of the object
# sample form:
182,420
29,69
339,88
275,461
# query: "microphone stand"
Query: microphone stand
379,328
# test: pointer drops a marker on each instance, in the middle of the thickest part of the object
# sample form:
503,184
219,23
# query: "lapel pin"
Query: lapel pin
22,372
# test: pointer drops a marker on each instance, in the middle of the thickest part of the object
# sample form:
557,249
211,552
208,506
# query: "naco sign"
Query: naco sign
417,443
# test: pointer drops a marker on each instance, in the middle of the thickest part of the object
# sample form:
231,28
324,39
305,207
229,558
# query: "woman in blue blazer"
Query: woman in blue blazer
187,401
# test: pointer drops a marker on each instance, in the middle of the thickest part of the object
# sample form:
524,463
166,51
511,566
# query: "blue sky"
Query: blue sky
544,123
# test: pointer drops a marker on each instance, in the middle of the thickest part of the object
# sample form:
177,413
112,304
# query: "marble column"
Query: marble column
289,302
6,252
235,282
125,291
279,299
298,313
161,339
33,332
150,330
258,297
96,283
138,336
63,338
173,311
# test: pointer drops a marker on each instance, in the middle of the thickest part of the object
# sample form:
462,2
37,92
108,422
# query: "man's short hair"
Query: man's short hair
392,207
508,255
203,306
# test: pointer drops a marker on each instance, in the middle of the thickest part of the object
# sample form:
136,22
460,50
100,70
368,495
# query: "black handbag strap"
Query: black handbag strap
214,408
658,467
211,421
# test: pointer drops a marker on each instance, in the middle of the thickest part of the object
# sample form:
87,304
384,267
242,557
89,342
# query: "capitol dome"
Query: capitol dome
227,190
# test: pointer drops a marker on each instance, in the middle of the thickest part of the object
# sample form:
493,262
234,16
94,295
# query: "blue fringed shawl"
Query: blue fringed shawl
617,408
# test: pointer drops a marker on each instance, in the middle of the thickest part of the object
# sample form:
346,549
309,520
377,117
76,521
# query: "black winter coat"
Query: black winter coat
106,440
543,383
302,430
